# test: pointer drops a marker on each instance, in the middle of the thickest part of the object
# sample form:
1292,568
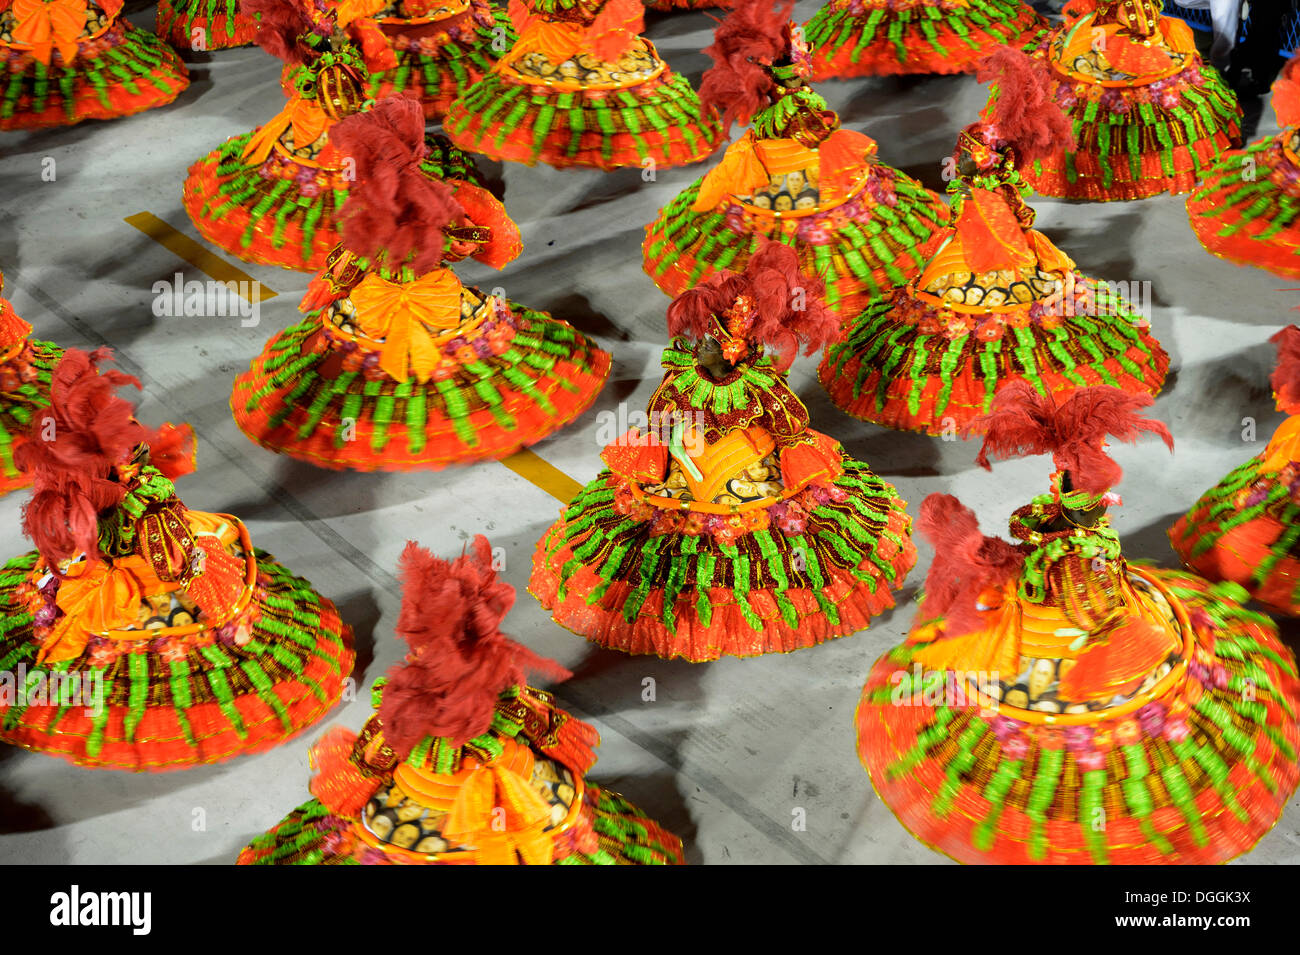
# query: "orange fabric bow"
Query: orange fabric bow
46,25
96,596
402,314
499,814
309,123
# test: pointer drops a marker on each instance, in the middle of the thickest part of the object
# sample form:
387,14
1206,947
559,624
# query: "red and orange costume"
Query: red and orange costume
875,37
1247,209
1246,529
581,87
146,635
1054,704
443,47
796,177
729,527
70,60
397,364
996,301
462,762
1149,116
25,368
273,196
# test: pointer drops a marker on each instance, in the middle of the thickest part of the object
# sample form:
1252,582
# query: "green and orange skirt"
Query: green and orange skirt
1139,141
1247,210
283,211
1197,775
880,37
1246,529
439,60
900,367
24,391
794,579
204,24
310,396
173,698
121,71
529,118
863,248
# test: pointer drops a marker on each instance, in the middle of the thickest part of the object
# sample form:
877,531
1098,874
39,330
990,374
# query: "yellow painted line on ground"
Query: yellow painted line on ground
182,246
541,474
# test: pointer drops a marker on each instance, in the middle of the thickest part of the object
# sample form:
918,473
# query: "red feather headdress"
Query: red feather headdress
285,28
966,563
1021,112
459,661
789,307
72,448
750,37
1073,432
395,208
282,29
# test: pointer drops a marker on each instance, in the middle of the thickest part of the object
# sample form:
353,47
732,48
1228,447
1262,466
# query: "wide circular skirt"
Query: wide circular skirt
204,705
20,406
657,124
860,261
921,39
1143,151
124,71
312,835
613,581
1194,787
272,220
1240,214
204,24
889,373
446,73
296,399
1245,529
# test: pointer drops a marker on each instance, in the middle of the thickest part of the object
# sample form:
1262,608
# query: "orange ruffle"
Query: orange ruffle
815,462
637,457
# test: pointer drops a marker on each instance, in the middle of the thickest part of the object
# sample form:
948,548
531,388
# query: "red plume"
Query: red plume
459,662
789,306
1021,111
171,450
752,34
1286,94
1286,375
393,207
1023,422
70,452
966,563
281,23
